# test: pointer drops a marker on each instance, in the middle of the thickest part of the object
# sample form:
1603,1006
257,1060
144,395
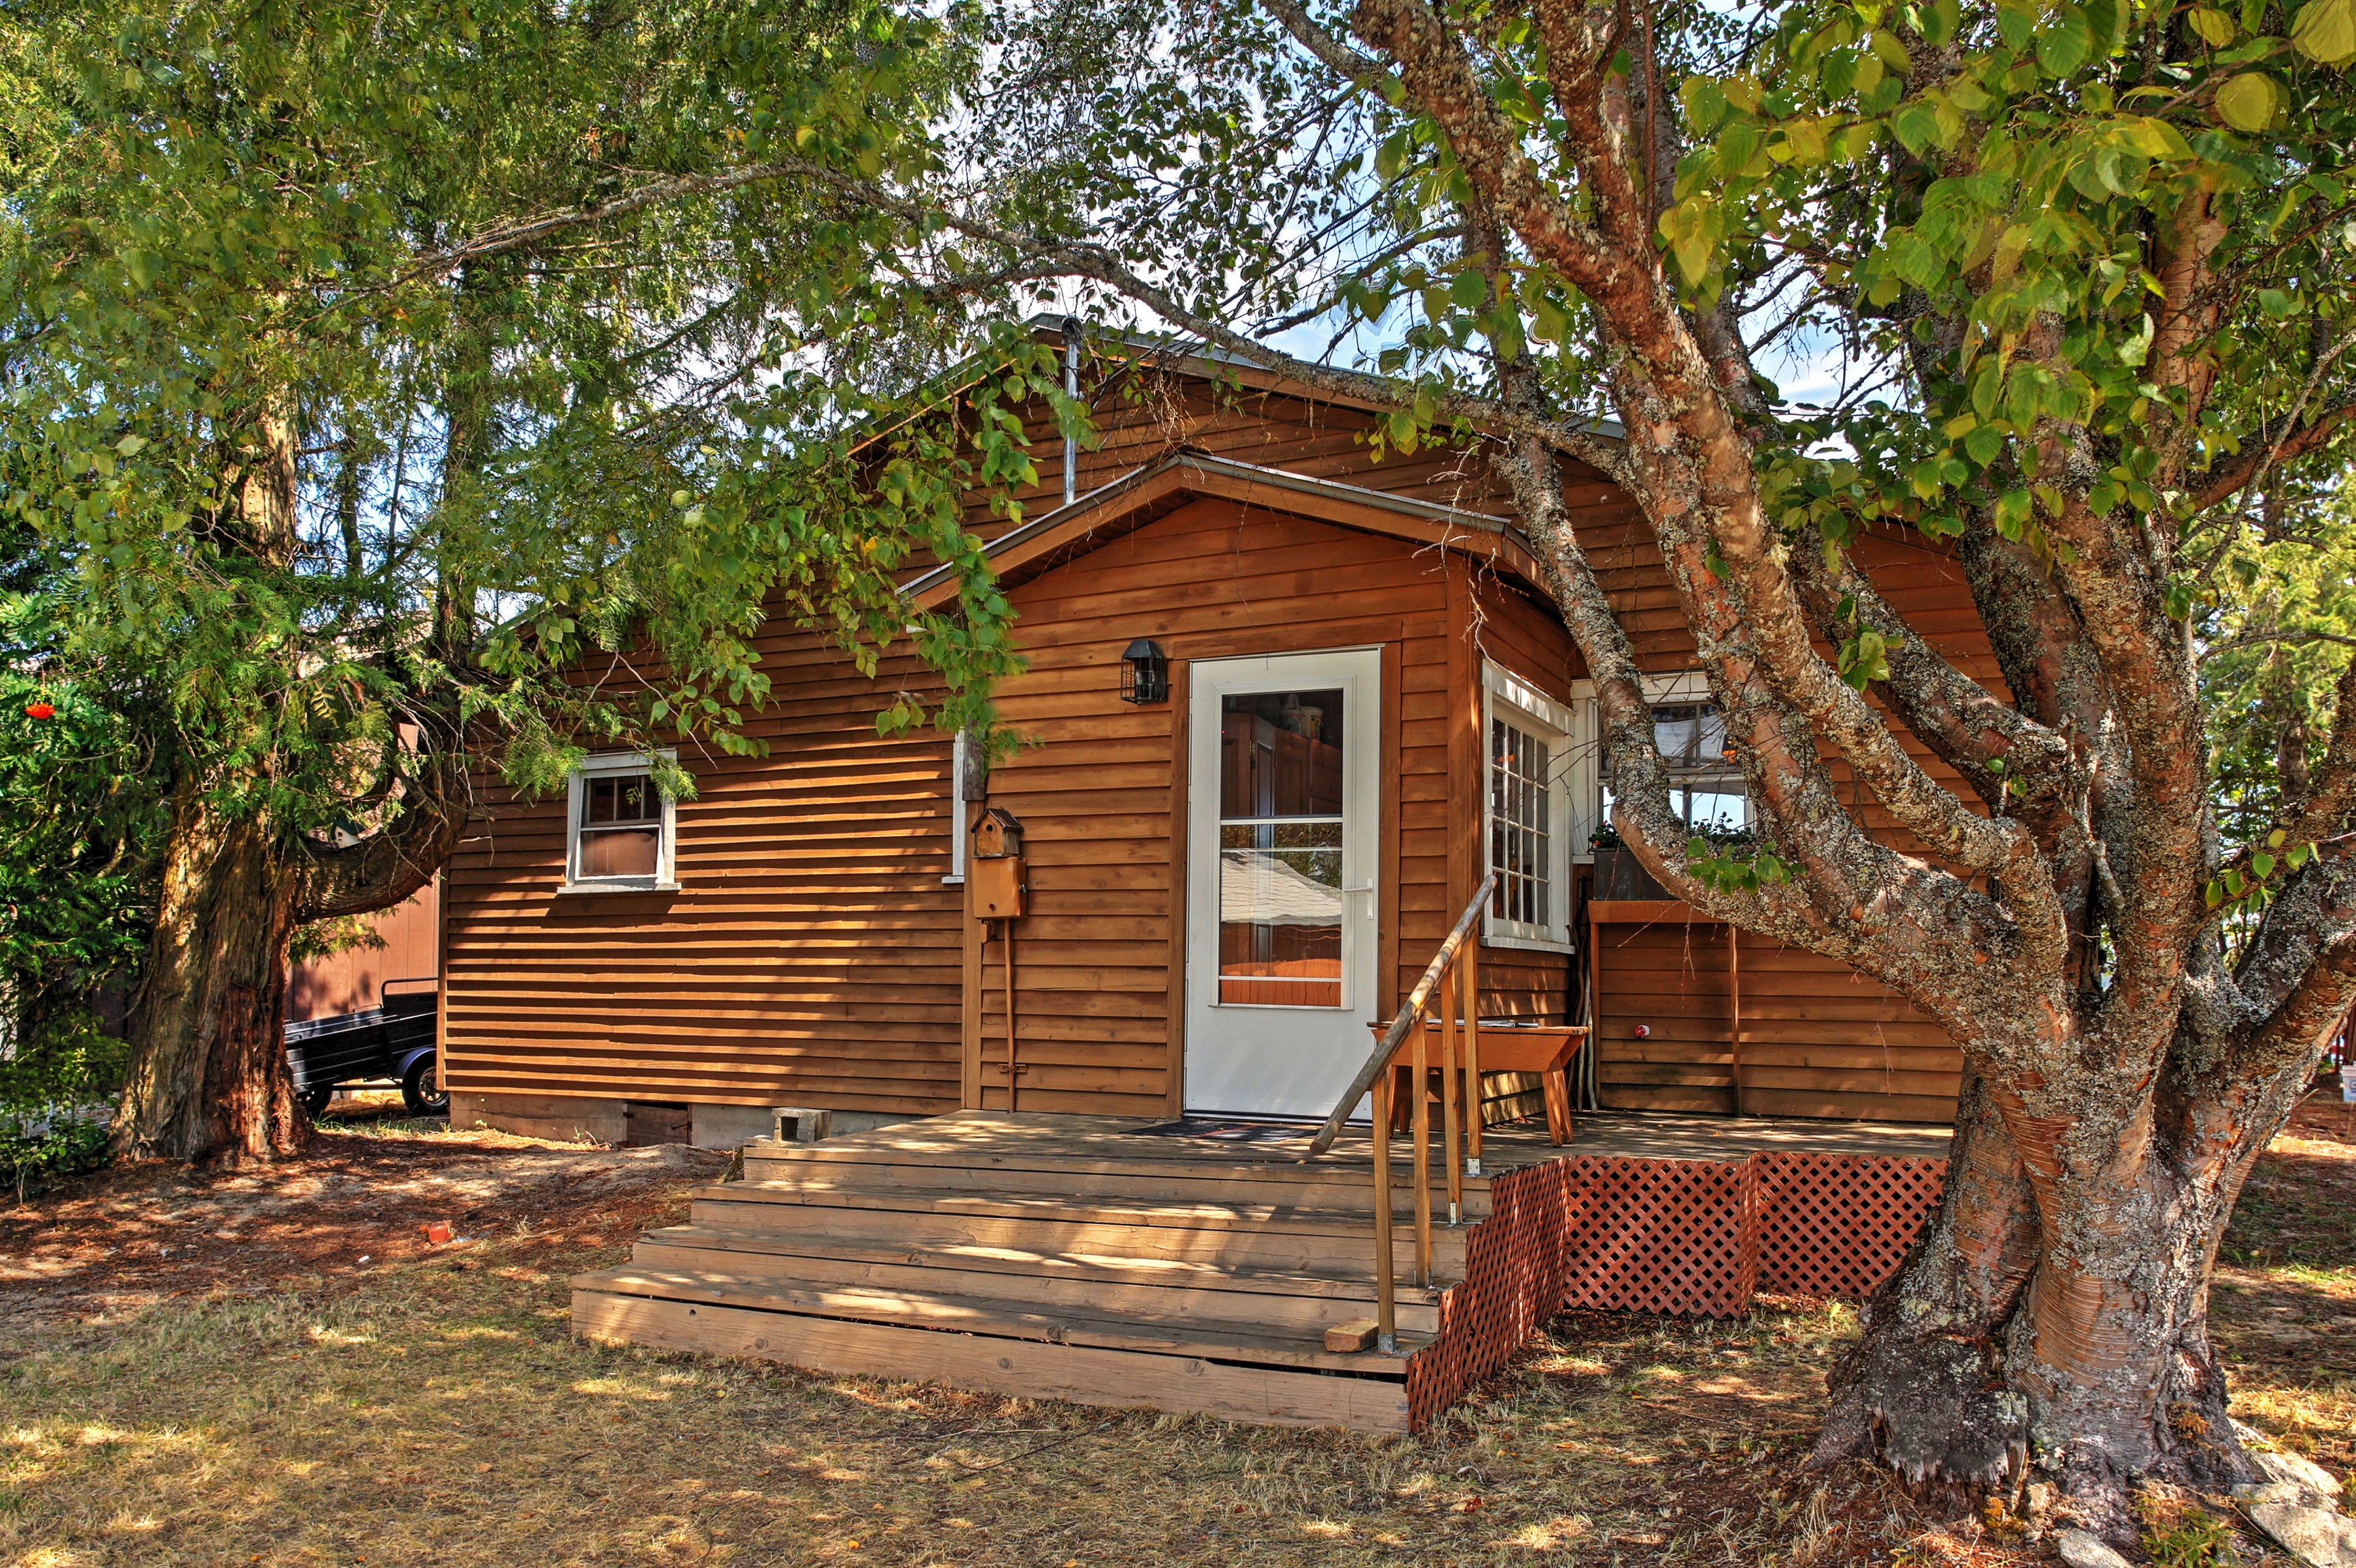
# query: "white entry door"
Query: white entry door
1282,802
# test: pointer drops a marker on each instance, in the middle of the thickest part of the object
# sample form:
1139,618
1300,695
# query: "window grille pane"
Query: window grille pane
1521,821
624,797
621,827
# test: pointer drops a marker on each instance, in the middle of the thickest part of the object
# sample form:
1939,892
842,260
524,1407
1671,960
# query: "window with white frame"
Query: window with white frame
958,762
623,828
1706,787
1536,755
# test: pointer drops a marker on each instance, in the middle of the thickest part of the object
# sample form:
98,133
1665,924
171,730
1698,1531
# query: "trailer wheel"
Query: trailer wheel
314,1100
422,1091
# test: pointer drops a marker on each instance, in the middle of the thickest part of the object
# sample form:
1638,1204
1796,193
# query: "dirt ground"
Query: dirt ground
278,1369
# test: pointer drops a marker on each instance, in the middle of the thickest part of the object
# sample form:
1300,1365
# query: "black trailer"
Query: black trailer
393,1040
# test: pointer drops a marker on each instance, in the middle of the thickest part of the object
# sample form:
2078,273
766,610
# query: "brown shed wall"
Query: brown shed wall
353,980
1099,966
810,957
1815,1038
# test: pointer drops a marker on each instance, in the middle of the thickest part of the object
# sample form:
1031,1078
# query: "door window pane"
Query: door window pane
1280,825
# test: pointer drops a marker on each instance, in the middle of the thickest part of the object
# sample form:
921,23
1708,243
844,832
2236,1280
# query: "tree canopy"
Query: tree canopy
341,464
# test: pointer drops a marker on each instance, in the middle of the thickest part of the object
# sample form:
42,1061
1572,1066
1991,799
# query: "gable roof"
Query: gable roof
1156,489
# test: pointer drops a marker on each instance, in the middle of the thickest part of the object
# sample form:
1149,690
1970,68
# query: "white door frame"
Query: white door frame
1261,1059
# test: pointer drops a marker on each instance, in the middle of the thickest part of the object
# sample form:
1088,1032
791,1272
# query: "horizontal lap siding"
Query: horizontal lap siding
1815,1038
1093,994
810,956
1673,979
1268,429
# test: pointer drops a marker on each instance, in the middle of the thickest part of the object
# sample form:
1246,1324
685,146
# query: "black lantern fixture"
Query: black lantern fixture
1144,673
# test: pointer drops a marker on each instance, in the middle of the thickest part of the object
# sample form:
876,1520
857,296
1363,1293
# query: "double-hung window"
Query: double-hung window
622,828
1536,760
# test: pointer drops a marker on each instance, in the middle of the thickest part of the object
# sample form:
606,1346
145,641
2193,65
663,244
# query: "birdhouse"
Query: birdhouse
999,887
998,835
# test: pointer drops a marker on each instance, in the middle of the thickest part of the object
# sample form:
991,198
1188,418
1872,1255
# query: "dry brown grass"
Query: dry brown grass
435,1409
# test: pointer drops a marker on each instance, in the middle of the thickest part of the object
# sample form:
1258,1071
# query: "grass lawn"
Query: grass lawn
429,1406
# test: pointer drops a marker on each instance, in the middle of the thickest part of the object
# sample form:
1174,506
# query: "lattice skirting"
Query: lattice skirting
1838,1224
1683,1238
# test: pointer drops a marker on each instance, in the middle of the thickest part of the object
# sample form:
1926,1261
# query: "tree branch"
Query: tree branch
2249,466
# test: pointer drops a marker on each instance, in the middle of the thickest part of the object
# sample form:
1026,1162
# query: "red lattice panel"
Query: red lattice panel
1839,1224
1683,1238
1642,1235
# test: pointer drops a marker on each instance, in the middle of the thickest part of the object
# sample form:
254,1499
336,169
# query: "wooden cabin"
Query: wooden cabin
1289,702
1365,701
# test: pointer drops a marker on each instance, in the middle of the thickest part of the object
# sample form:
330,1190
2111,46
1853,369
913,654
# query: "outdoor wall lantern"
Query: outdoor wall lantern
1144,673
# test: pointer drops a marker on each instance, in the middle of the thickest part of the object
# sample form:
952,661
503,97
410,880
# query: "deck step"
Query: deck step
973,1358
1164,1333
814,1166
1242,1235
1047,1256
1276,1299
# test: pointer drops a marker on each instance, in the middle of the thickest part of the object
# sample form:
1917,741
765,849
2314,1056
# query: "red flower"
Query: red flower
38,710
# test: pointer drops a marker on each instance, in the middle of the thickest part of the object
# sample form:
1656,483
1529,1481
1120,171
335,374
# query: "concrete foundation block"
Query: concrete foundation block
561,1118
732,1126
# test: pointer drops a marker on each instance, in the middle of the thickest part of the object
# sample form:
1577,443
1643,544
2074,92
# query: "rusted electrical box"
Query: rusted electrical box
996,871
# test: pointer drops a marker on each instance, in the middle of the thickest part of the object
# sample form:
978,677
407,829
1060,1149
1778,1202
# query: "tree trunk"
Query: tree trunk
2052,1320
210,1078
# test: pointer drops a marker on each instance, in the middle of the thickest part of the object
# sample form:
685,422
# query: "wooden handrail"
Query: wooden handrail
1376,1075
1407,1014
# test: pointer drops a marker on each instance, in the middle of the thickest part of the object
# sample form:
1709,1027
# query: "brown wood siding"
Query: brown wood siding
811,955
1272,430
1671,976
1099,1016
1814,1038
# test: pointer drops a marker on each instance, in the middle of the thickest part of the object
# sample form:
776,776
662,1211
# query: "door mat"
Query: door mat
1228,1132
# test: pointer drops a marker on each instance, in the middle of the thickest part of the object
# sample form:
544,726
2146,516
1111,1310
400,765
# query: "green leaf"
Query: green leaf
2062,47
2249,102
1984,443
2214,27
2263,863
1917,127
2325,30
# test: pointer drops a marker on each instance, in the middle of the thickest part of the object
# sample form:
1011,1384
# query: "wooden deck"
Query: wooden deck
1086,1258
